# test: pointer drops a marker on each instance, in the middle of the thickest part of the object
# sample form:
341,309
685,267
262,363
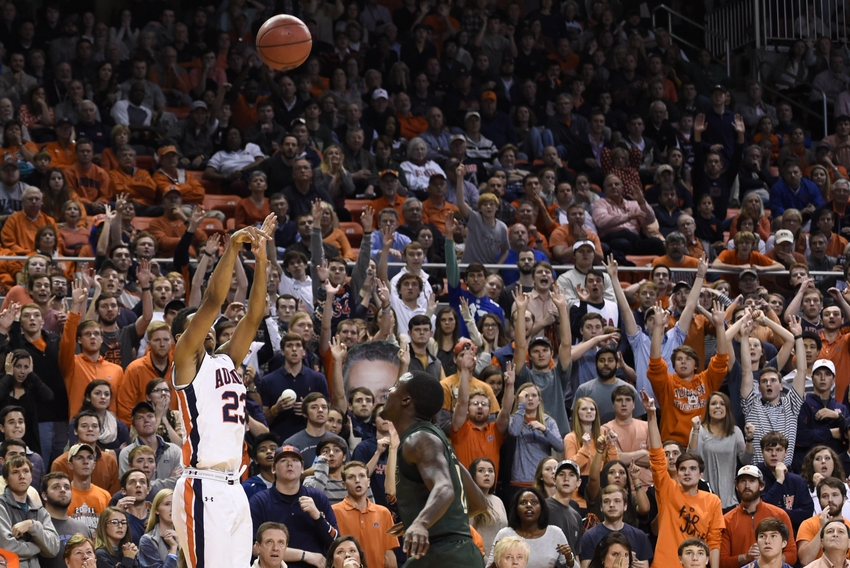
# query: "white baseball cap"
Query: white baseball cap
823,363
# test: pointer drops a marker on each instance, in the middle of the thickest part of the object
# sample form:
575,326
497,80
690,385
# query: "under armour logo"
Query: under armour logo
208,499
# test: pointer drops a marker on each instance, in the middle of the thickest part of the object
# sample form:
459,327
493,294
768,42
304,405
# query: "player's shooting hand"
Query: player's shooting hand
309,507
416,540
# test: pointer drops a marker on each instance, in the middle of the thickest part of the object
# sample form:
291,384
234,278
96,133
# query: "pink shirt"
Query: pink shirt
610,217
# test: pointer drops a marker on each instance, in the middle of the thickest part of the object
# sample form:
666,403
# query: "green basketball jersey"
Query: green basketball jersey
412,494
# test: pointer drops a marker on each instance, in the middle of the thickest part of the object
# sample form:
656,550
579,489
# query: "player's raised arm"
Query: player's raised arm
189,350
246,329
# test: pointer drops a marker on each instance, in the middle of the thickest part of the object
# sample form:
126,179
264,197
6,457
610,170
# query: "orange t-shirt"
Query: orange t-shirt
19,231
682,516
411,126
86,506
682,400
79,370
248,214
561,236
838,352
437,215
369,526
136,378
139,185
61,157
381,203
836,245
104,474
470,443
91,185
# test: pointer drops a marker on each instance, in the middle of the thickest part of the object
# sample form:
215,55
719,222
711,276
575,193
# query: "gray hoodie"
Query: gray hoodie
42,538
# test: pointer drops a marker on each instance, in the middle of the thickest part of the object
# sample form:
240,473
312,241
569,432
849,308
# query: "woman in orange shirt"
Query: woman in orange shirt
333,235
73,239
120,135
580,444
14,146
753,205
253,209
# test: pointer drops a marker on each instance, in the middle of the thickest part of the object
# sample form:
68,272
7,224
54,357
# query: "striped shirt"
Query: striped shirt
766,418
334,489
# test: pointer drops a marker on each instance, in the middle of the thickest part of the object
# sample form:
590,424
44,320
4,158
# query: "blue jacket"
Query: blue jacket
783,197
792,496
812,432
304,532
499,129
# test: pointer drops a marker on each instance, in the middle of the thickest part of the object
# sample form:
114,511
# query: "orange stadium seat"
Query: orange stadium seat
231,224
356,207
224,203
353,232
146,163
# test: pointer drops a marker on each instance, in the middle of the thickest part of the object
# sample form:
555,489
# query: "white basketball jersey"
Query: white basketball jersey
213,409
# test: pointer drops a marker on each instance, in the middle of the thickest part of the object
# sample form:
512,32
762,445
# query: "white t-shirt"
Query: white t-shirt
225,162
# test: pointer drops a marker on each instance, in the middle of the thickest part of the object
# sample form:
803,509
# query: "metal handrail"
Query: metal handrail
700,26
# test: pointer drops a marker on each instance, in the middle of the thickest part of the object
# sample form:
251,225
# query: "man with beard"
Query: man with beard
111,285
357,515
56,495
739,545
156,362
831,495
602,387
119,343
518,240
473,435
615,501
279,170
80,370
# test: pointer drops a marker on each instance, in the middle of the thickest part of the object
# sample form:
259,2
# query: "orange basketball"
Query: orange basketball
284,42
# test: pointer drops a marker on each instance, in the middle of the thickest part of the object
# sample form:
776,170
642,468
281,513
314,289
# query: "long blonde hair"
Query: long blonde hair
325,167
541,415
153,517
578,429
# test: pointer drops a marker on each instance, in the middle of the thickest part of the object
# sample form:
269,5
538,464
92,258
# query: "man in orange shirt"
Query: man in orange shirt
105,473
157,362
88,500
89,181
835,345
739,537
169,176
434,208
80,370
677,257
390,198
563,238
136,182
831,496
358,516
684,393
743,257
409,124
63,152
18,234
168,229
683,510
472,433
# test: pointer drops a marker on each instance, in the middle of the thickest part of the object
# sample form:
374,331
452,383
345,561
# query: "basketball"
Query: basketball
284,42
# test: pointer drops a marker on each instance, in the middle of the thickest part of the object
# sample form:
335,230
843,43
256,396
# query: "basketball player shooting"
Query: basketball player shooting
436,494
211,514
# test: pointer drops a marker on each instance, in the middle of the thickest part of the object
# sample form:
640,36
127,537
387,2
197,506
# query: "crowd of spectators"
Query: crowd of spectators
610,419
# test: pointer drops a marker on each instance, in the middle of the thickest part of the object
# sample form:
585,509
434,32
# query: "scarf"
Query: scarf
109,429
